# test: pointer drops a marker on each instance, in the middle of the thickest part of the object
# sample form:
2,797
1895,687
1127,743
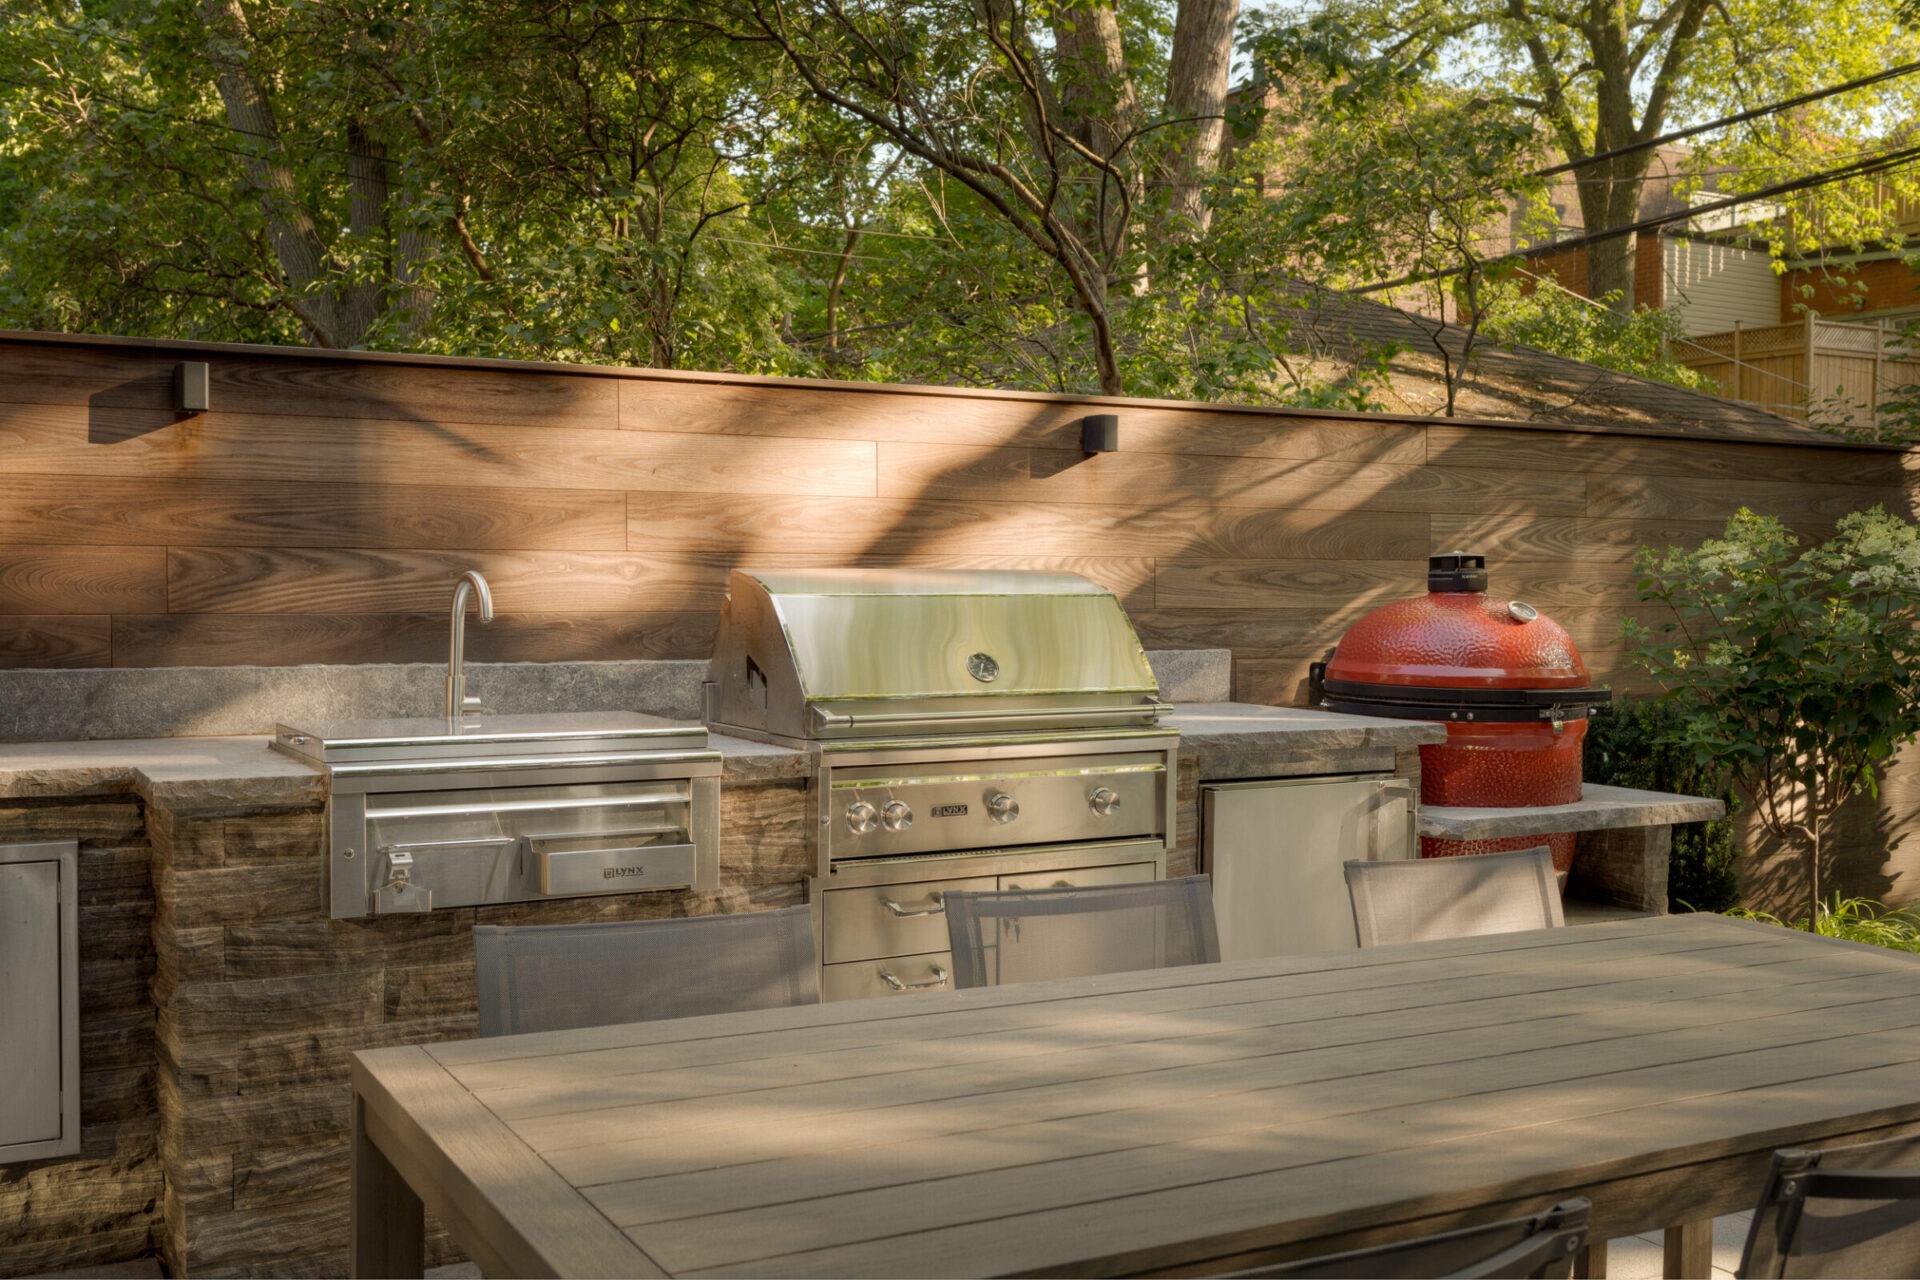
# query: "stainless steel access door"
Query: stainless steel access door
40,1004
1274,848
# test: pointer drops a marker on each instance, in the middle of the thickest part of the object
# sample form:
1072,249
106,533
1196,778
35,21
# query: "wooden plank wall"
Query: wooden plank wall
323,508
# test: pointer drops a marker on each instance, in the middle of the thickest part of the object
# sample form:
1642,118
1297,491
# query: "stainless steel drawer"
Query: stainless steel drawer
405,851
894,976
39,1013
1081,877
891,920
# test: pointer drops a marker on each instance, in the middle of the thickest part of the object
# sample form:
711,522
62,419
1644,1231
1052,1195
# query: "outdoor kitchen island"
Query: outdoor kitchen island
219,1003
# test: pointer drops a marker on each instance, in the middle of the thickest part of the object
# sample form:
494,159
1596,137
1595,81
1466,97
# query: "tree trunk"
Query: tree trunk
297,243
1610,190
1610,197
1197,91
368,201
1102,112
1815,838
1096,90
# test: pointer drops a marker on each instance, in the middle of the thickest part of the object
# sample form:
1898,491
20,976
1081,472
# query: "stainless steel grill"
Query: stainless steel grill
432,813
975,729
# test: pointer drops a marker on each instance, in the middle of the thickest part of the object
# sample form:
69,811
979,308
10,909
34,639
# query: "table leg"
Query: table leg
389,1224
1591,1262
1689,1251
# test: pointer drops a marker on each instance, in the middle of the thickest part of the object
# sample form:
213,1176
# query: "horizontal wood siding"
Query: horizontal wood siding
322,510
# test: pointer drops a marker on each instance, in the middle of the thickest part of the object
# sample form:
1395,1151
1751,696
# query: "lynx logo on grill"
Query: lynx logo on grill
949,811
614,873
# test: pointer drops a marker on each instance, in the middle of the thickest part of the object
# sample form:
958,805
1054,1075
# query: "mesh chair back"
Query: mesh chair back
552,977
1024,935
1543,1245
1844,1211
1422,899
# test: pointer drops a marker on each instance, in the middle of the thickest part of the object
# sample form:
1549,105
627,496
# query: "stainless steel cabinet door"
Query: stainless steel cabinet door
1274,849
39,987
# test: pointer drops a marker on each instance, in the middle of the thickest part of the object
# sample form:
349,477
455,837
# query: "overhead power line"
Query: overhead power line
1754,113
1859,169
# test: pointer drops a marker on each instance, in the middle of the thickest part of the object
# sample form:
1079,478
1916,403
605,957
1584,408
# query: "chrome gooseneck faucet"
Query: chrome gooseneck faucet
458,703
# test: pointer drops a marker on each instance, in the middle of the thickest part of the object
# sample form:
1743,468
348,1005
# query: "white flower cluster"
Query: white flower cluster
1893,542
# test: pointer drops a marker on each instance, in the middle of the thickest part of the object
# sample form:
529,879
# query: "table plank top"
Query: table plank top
1191,1117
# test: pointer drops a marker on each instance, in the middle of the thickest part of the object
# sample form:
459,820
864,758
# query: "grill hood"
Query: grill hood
860,654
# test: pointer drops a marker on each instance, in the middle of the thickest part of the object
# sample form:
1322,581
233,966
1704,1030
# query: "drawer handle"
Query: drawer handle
1057,884
900,912
939,980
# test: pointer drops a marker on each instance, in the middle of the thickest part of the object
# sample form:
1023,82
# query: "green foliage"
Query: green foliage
1796,672
1855,920
1383,174
1635,744
509,178
1550,318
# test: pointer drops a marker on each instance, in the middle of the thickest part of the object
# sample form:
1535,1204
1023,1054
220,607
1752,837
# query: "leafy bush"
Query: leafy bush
1797,672
1856,920
1632,745
1550,318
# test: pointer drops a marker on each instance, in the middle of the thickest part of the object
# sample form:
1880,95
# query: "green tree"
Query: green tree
1039,113
1552,319
1370,170
550,180
1799,674
1602,77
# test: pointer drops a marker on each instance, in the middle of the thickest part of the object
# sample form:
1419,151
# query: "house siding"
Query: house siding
1717,287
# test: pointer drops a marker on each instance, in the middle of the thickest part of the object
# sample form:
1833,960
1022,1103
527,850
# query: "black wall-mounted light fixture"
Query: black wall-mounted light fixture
191,387
1100,433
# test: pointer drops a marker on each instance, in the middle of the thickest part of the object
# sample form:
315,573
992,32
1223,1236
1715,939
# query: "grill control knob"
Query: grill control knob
897,816
862,817
1105,802
1002,807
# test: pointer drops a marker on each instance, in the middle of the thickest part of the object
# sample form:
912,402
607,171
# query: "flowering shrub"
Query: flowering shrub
1798,674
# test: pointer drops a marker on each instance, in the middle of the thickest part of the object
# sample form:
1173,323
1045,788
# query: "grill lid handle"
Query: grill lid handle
823,719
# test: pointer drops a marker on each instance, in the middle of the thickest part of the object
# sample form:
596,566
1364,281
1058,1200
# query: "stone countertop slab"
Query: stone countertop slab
177,772
187,772
1601,808
197,772
1230,726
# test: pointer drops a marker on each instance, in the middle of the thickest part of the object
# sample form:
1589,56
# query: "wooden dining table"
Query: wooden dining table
1171,1121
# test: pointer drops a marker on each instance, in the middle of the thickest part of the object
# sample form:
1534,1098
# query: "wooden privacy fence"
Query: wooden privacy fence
1820,371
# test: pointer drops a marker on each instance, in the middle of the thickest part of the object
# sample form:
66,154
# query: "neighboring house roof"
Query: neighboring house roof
1526,384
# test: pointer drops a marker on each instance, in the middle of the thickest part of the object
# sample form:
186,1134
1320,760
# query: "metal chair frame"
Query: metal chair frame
1532,868
779,945
968,912
1794,1177
1553,1238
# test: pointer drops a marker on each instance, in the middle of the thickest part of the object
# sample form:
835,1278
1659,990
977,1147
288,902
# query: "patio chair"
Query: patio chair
1024,935
1843,1211
1543,1245
1423,899
552,977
